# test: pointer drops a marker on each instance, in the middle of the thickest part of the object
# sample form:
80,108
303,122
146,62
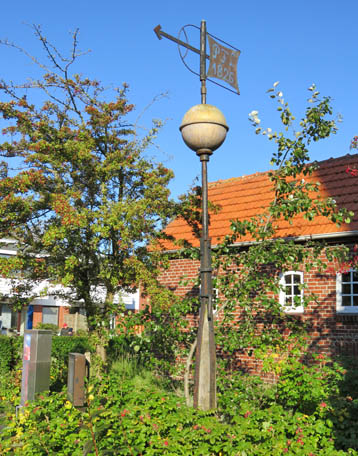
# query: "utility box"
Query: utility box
36,363
76,379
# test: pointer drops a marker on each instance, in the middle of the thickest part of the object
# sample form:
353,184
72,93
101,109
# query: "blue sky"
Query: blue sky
295,42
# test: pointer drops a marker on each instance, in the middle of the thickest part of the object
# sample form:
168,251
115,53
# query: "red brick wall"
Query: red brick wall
37,316
180,278
62,311
181,270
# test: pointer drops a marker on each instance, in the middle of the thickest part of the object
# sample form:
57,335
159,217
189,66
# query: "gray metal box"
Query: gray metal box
36,363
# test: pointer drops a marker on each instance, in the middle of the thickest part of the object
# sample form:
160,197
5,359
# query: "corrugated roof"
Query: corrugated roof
248,196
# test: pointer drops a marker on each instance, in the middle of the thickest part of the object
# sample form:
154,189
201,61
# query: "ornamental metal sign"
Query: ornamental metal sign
223,56
223,63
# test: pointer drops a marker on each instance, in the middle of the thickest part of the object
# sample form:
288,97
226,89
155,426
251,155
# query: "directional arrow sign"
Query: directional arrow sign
223,60
159,32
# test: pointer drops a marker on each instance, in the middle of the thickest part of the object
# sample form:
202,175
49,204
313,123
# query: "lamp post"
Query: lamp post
203,130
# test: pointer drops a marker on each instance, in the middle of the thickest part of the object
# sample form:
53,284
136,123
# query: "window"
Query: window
50,315
291,294
8,317
347,292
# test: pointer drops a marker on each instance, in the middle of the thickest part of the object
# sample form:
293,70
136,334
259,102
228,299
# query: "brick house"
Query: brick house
333,316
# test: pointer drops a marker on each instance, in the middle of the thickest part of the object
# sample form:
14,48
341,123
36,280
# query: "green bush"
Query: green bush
6,354
130,346
81,333
11,355
135,416
129,411
304,387
238,389
61,348
49,326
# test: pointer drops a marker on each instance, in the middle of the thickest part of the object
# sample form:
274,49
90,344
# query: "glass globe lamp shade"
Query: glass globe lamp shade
204,128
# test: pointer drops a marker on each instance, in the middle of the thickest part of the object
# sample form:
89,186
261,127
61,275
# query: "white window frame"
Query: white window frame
339,306
282,297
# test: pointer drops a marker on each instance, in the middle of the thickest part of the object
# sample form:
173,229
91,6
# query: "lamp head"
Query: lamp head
204,128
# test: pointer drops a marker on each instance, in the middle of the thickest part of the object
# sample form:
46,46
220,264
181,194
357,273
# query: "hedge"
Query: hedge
6,354
11,349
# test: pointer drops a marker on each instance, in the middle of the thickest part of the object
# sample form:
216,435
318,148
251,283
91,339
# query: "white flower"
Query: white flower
253,113
276,83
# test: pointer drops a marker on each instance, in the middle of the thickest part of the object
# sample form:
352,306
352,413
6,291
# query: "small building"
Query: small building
332,317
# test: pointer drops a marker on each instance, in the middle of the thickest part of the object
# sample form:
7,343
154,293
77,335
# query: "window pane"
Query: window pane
346,277
346,301
288,301
296,290
346,288
6,316
355,288
288,278
355,276
50,315
355,300
297,278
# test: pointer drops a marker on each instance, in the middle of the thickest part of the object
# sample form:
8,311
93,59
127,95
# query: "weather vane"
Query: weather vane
222,59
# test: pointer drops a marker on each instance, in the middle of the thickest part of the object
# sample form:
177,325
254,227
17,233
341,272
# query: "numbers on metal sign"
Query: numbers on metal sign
223,63
222,72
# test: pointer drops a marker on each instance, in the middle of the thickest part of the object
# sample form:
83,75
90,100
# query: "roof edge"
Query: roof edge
307,237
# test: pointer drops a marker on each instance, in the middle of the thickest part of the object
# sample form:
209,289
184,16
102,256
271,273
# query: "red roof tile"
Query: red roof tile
248,196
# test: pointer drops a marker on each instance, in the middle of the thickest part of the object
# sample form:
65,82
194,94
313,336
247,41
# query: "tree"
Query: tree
81,199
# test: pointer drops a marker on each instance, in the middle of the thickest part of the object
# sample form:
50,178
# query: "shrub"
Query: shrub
6,354
130,412
241,390
81,333
61,348
49,326
303,387
134,416
131,346
11,355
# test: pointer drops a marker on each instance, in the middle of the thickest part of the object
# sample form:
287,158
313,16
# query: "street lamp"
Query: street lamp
203,130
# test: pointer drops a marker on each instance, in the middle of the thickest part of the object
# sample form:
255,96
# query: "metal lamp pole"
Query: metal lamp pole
205,367
204,129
